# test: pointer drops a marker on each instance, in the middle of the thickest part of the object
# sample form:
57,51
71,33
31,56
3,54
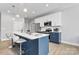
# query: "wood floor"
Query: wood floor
63,49
54,49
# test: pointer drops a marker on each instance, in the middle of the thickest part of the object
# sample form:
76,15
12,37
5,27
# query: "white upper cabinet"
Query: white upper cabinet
54,18
40,20
57,20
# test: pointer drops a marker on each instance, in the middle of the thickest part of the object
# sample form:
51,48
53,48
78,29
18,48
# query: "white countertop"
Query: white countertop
31,36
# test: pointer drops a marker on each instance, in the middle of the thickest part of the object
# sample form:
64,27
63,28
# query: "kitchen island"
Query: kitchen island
36,44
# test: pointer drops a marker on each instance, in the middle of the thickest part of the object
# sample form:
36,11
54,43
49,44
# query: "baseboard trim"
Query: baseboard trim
4,39
74,44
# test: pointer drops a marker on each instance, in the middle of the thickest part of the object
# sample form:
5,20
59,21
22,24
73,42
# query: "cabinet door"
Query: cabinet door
30,47
26,47
54,37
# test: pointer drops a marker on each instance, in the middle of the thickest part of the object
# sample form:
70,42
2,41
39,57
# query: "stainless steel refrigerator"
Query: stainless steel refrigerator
35,27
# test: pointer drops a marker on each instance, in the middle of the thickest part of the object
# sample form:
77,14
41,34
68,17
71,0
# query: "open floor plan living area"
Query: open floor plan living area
39,29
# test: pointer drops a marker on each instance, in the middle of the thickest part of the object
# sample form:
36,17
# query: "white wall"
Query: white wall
28,24
9,26
31,27
70,28
6,25
26,21
18,24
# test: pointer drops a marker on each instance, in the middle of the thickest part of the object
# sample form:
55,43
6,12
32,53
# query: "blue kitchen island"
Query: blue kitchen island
36,43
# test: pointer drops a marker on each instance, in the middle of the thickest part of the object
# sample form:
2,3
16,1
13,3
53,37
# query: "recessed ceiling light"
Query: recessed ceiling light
8,11
47,5
18,15
25,10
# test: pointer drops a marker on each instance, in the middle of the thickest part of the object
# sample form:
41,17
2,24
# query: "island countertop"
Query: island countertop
31,36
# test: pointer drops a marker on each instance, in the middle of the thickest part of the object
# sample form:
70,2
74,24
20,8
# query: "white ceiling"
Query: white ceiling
34,9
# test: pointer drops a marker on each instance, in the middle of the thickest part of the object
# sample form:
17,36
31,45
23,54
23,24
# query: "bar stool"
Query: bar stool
20,41
10,37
